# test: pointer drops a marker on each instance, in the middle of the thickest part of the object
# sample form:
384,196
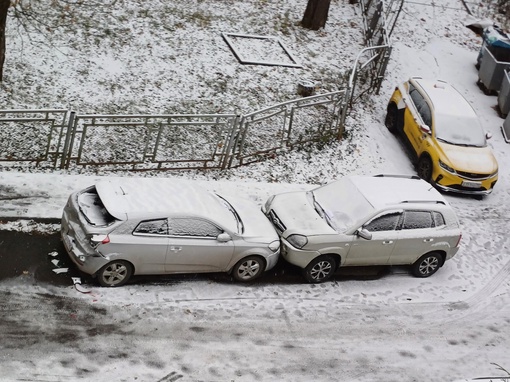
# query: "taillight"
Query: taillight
458,241
99,239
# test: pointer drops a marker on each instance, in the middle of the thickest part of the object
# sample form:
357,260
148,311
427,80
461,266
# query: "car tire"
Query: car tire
115,274
391,118
427,265
248,269
320,269
424,168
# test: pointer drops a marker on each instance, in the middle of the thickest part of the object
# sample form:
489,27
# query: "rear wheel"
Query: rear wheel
425,168
115,274
248,269
391,118
320,269
427,265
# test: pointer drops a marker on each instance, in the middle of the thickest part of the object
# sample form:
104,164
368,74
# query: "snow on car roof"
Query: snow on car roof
139,197
386,190
446,99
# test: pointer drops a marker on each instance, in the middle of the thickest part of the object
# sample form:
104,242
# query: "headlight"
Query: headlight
274,246
298,241
446,167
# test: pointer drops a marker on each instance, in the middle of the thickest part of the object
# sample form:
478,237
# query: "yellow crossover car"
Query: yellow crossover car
445,134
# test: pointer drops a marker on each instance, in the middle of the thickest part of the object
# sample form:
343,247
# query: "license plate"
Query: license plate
471,184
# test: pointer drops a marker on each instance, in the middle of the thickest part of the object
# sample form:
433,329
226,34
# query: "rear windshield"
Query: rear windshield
93,209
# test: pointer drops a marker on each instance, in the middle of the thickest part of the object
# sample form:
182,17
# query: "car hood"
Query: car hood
256,225
298,215
478,160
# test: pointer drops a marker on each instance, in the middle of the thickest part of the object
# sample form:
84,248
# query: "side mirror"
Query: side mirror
488,135
364,234
223,237
425,129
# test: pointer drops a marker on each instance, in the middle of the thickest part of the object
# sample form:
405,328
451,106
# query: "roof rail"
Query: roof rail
424,201
397,176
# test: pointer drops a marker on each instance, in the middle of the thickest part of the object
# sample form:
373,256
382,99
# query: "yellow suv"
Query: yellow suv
445,135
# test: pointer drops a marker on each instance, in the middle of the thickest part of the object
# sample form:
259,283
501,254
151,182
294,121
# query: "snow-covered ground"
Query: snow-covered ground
452,326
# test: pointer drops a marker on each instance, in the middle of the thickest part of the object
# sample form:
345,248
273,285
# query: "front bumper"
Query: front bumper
448,182
296,256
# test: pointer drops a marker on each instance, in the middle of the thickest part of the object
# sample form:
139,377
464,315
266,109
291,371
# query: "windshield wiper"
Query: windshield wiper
322,213
457,144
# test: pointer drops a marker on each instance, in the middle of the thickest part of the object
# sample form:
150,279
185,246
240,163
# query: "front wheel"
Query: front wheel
115,274
320,269
425,168
248,269
427,265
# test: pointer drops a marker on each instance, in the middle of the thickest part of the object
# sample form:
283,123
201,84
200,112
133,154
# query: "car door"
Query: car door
417,236
193,246
417,119
378,249
146,246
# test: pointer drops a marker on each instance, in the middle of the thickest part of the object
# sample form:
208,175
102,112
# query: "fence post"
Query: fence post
66,151
231,146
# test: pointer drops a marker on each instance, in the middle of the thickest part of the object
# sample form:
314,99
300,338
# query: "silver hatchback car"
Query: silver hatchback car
381,220
123,227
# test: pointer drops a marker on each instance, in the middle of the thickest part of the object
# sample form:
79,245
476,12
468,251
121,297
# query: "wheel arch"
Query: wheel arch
129,262
335,256
440,252
245,256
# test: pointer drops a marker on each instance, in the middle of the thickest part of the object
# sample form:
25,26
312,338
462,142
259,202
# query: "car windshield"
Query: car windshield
459,130
340,204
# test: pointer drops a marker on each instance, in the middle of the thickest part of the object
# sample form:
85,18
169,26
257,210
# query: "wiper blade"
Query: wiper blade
322,213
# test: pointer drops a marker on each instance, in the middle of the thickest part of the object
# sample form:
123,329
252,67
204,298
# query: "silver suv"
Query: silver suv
119,228
380,220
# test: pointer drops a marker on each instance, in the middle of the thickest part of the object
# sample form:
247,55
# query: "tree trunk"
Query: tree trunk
4,7
316,14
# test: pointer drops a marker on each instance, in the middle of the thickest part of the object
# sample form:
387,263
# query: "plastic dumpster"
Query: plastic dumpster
492,68
494,39
505,129
504,95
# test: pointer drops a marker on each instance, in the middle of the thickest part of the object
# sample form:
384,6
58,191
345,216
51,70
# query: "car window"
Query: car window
192,227
388,222
438,219
417,220
421,106
152,227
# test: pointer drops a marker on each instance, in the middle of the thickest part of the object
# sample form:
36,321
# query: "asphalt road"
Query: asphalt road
28,255
42,258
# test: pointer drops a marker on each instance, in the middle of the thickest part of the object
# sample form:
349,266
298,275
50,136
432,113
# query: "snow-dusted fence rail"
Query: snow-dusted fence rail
63,139
150,142
33,137
288,125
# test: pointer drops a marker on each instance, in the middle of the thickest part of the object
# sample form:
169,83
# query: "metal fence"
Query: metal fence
64,139
370,65
67,140
33,137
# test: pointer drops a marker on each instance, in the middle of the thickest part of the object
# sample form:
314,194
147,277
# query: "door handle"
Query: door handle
428,240
175,249
387,242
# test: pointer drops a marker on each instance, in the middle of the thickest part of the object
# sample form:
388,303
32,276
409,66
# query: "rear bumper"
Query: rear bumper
85,262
